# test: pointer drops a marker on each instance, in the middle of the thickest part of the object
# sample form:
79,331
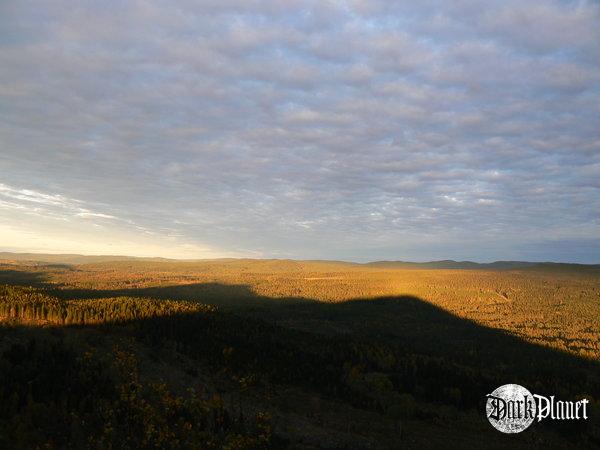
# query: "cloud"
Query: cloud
36,221
49,205
29,196
88,214
306,129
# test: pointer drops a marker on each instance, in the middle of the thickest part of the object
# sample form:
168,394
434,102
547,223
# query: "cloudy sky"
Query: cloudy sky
356,130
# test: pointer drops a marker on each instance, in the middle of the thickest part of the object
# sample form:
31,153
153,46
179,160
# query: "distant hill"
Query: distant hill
496,265
444,264
71,258
451,264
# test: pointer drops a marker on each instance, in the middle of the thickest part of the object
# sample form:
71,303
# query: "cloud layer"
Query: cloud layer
312,129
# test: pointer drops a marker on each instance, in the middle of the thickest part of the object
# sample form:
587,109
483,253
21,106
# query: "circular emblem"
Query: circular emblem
510,408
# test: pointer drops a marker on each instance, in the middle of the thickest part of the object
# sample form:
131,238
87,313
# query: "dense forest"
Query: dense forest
92,368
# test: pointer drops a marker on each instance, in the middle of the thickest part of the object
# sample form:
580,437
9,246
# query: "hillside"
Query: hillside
289,354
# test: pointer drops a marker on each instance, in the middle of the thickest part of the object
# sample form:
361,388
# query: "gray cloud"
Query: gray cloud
353,129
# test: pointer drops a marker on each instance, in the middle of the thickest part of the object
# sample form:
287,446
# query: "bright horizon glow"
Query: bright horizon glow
112,246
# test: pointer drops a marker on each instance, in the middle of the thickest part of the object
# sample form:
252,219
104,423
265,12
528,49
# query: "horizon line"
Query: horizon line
380,261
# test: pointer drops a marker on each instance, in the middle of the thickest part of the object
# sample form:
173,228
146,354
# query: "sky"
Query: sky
356,130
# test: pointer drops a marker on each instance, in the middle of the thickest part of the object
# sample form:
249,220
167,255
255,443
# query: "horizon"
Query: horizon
359,262
354,131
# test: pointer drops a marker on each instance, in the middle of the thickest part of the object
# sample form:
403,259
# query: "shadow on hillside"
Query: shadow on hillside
424,350
410,325
213,293
23,278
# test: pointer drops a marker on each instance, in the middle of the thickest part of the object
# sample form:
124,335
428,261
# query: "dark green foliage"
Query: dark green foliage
34,305
57,395
54,396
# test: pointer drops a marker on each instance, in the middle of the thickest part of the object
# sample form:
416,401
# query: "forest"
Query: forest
242,354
